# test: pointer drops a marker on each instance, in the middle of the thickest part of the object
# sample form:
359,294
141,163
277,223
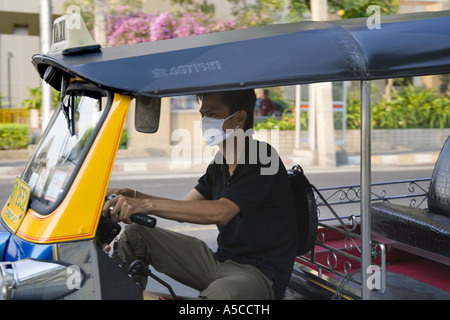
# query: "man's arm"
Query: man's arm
132,193
194,195
193,208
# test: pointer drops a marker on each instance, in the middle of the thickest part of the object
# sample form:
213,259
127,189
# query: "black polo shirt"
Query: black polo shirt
264,232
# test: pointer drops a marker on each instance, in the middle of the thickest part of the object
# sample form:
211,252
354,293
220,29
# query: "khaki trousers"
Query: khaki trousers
189,261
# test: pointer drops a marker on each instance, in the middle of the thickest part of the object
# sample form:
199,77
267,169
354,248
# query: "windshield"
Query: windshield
64,145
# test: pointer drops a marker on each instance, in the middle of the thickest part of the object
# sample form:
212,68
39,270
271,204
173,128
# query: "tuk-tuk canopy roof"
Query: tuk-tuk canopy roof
281,54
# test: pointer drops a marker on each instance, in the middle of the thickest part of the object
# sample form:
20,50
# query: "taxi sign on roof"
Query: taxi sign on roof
71,36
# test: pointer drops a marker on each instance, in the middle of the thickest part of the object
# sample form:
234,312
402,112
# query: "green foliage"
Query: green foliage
124,139
286,122
346,9
287,119
298,9
34,100
196,6
258,12
410,107
270,123
353,111
13,136
262,12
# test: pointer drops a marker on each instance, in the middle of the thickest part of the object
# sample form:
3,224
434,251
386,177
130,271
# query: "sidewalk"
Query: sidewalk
164,165
13,164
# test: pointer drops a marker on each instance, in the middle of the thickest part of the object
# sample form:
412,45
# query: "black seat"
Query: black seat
439,197
425,229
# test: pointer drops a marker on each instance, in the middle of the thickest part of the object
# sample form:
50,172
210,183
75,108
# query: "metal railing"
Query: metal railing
343,261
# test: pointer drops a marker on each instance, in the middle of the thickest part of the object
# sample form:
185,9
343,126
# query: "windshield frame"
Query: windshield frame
35,204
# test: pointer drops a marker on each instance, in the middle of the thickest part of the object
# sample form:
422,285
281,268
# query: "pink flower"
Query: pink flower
126,26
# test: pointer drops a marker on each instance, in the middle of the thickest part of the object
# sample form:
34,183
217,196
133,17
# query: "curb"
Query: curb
399,159
419,158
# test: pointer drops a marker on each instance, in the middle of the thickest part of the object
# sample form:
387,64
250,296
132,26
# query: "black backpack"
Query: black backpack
306,208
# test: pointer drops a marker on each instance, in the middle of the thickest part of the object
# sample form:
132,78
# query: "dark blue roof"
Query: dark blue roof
282,54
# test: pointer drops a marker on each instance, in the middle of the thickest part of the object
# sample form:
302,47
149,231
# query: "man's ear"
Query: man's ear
241,118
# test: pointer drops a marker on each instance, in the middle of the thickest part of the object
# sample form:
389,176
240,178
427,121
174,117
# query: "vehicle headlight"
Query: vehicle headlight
32,279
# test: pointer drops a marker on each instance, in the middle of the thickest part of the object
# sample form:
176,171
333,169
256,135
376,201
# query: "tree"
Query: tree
346,9
126,23
190,6
34,100
87,8
258,12
248,13
261,12
354,9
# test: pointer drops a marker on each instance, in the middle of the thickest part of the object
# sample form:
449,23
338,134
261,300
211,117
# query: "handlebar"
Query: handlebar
143,219
138,218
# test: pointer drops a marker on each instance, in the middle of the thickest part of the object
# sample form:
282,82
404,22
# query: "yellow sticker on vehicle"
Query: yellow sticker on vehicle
17,205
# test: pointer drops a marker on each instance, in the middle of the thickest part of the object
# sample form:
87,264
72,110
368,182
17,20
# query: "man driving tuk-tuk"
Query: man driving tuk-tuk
253,209
56,221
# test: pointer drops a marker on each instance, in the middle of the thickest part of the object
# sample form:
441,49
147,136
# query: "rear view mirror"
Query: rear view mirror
147,114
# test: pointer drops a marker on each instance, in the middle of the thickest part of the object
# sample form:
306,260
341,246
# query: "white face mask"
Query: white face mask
212,130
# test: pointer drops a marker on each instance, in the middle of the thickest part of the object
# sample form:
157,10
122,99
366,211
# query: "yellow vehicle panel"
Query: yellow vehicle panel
73,219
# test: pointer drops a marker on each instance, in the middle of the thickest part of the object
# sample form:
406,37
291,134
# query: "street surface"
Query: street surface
173,186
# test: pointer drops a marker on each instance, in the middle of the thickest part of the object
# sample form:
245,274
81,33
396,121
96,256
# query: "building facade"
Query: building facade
19,40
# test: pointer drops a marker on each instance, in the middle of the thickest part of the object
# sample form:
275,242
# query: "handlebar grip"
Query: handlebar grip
138,218
143,219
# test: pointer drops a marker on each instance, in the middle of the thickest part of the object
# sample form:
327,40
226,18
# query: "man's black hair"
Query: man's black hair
237,100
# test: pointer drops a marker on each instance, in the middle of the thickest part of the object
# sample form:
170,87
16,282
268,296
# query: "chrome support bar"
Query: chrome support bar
365,186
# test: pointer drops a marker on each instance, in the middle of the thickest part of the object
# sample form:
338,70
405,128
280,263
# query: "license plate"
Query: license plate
17,205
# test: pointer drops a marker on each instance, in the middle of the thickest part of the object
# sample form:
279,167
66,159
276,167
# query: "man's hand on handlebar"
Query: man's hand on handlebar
126,209
122,191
